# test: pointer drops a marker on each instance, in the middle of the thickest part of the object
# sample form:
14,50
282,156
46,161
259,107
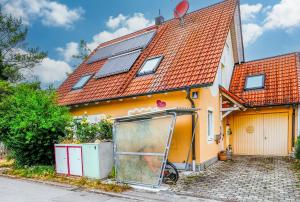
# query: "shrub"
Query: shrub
297,151
30,123
81,131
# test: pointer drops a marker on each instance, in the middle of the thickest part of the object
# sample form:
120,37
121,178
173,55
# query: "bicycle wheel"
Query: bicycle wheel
171,174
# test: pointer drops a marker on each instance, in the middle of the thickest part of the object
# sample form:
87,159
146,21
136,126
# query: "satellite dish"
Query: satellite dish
181,10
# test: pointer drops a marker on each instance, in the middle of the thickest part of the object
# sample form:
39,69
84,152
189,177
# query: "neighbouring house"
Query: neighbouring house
200,63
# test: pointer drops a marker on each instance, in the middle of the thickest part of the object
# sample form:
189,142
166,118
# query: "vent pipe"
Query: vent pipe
159,20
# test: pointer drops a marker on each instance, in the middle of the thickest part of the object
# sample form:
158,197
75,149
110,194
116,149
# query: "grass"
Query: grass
47,173
6,163
296,168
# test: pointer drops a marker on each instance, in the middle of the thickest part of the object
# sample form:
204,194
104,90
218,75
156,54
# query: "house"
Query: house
252,106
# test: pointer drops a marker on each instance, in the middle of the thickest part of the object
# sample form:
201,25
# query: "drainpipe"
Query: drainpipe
293,127
188,97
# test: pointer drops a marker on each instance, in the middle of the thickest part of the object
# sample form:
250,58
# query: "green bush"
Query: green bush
297,151
31,123
81,131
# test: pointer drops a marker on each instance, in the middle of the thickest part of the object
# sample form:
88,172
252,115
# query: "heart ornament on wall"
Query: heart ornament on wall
161,104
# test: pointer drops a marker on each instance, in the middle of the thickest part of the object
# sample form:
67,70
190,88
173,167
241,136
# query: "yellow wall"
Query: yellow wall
282,109
182,133
207,102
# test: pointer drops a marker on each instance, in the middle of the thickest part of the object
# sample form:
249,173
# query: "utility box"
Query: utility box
98,159
61,159
68,159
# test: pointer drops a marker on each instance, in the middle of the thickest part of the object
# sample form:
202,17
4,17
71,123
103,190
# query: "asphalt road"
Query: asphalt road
12,190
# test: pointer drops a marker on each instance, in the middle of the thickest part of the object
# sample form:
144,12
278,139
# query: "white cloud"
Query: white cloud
284,15
69,51
251,32
120,25
49,71
249,12
50,13
114,22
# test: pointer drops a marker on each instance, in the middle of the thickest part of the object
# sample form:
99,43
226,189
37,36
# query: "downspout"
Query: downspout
188,97
293,127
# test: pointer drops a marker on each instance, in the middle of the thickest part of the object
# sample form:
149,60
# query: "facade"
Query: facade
200,65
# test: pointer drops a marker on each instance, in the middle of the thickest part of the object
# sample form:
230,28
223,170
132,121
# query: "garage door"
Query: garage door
261,134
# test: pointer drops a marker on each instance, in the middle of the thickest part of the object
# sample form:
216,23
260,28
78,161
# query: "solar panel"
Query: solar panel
138,42
118,64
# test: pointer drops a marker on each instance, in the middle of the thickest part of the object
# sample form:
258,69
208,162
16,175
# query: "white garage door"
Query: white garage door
261,134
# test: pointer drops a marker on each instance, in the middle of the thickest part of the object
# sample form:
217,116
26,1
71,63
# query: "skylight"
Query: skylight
255,82
150,66
81,82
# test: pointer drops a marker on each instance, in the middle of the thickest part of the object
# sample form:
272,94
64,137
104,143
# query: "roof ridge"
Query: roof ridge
270,57
165,22
200,9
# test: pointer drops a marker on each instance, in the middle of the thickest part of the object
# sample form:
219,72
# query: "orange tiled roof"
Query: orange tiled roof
233,96
282,76
191,57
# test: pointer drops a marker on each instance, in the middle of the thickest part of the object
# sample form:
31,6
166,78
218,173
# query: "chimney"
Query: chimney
159,20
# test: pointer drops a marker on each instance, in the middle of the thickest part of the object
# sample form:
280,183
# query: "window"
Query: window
81,82
255,82
150,66
210,126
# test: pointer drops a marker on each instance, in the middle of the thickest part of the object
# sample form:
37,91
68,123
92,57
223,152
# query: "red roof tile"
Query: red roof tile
233,96
191,57
282,76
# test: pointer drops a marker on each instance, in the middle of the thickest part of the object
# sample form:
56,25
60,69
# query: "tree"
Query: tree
14,55
84,51
31,123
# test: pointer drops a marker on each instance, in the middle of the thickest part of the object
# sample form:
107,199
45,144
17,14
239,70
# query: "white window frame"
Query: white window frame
210,126
158,58
88,76
262,86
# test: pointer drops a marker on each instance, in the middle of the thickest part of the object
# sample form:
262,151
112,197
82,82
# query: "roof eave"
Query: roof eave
141,94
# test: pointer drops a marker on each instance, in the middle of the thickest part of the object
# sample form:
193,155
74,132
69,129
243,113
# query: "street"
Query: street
17,190
12,190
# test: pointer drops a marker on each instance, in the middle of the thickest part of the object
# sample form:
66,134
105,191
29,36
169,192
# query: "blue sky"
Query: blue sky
270,27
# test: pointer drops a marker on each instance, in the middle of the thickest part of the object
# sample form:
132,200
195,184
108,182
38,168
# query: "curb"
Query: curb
67,186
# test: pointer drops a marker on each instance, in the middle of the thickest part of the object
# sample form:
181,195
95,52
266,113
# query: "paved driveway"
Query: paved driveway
245,179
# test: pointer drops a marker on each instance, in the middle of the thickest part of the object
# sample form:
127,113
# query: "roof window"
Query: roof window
150,66
254,82
81,82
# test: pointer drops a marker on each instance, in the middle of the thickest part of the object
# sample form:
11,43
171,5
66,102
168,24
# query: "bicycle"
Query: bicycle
171,174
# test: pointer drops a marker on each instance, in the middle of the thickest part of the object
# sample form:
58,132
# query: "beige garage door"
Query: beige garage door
262,134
